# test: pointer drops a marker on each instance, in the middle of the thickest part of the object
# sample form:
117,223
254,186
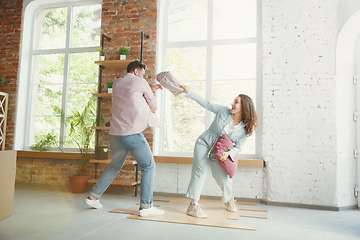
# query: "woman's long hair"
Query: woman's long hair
249,115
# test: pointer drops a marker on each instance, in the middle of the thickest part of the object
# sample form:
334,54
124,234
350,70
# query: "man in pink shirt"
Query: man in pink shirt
133,107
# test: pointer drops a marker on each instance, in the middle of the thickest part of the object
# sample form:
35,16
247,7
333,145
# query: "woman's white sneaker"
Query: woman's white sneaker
231,205
145,212
196,211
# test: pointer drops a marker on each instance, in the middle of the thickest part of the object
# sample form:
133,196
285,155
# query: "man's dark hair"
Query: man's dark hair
135,65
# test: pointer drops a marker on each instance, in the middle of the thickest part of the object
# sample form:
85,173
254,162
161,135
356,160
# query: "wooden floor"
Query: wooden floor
218,216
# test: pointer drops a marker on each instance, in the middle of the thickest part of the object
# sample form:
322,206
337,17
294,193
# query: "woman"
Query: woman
238,123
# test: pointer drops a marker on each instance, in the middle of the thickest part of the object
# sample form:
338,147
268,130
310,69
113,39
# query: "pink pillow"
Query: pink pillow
169,81
224,144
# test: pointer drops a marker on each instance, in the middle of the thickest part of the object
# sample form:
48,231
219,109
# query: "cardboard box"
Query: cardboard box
7,182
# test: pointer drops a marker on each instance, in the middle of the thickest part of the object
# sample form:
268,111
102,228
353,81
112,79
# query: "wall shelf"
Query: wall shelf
101,128
123,182
115,64
106,96
127,162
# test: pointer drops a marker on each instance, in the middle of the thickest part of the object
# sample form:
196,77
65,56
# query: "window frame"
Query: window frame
209,44
28,53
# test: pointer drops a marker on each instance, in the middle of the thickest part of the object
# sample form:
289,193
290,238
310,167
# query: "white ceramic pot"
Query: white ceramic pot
122,57
102,58
109,90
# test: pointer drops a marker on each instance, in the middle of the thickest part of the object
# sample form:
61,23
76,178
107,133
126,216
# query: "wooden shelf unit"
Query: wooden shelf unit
112,64
123,182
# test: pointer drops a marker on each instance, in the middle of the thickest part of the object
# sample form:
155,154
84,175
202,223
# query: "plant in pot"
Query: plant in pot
82,135
109,85
102,54
123,53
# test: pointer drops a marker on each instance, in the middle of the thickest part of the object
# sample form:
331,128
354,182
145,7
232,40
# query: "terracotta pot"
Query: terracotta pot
78,184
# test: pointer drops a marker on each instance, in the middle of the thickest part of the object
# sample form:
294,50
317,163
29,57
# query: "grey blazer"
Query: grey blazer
222,118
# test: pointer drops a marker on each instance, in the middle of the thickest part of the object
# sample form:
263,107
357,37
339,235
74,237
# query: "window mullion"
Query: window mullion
66,78
209,53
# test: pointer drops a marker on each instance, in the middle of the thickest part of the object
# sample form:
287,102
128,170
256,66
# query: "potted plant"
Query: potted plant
123,53
102,54
110,85
81,133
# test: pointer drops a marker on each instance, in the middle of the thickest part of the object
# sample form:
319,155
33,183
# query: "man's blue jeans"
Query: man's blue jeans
139,148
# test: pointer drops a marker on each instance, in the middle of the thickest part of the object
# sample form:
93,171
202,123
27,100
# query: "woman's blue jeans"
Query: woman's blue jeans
200,167
139,148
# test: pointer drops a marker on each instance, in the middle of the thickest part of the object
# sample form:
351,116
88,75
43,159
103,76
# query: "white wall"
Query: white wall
308,132
346,52
299,135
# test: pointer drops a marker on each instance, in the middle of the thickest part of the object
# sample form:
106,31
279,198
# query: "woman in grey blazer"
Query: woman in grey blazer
238,123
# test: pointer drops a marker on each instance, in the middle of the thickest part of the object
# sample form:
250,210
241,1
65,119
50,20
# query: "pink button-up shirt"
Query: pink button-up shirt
131,101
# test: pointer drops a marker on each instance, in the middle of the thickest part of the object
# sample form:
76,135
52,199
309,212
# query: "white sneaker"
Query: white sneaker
93,203
231,205
196,211
145,212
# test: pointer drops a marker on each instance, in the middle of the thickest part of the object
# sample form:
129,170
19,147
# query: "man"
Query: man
133,107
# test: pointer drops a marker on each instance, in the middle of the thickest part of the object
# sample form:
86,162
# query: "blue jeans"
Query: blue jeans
139,148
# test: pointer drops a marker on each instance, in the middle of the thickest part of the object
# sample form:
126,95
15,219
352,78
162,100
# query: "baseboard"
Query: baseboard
307,206
262,201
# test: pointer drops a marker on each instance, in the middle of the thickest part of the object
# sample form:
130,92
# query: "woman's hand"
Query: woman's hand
186,88
225,155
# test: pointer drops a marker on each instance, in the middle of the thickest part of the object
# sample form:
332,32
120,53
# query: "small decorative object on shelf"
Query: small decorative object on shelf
123,53
101,152
3,80
102,54
109,85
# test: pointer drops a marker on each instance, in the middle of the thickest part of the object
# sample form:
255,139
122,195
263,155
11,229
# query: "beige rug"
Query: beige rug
218,216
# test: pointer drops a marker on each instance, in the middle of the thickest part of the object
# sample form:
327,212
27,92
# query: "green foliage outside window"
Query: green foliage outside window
59,92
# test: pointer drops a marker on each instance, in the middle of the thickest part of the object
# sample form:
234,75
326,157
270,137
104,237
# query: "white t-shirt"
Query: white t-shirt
230,128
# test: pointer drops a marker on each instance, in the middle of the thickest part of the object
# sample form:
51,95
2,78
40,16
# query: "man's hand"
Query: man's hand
156,87
153,108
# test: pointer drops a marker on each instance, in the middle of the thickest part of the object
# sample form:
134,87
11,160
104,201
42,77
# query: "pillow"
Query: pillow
224,144
169,81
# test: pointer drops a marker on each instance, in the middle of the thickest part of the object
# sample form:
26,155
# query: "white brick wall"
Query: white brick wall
299,134
347,48
345,9
308,99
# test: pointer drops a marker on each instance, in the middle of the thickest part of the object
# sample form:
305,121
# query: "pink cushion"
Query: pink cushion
224,144
169,81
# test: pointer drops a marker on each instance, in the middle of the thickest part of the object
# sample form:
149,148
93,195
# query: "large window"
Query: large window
63,73
213,47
